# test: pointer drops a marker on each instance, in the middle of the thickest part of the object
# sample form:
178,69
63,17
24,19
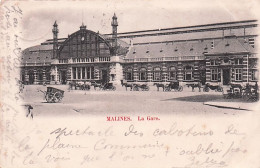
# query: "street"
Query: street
122,102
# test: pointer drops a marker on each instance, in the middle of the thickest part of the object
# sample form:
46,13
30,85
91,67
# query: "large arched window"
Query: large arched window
142,74
172,74
129,74
157,74
188,73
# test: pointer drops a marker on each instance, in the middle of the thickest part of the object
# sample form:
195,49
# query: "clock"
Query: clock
82,38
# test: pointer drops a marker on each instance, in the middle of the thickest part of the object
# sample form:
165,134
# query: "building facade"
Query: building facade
221,53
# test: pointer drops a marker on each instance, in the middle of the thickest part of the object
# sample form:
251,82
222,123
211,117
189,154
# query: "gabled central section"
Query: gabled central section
84,44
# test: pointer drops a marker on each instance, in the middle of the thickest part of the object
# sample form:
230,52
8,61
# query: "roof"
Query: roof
231,44
38,54
194,48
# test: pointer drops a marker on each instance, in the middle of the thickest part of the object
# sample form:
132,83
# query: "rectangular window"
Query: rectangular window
92,73
79,73
238,74
214,74
83,73
213,62
254,75
251,41
74,72
172,75
142,76
129,76
239,61
157,76
188,75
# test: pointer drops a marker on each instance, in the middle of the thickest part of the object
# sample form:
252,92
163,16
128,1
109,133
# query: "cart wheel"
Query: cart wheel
220,89
113,88
147,88
206,89
49,98
57,97
180,88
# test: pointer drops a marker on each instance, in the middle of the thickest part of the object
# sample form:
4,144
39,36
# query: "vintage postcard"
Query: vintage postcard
129,84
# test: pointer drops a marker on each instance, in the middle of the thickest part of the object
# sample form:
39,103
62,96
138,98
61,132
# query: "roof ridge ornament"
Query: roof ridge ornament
83,27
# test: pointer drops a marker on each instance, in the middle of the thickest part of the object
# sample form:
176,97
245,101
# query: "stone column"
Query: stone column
164,72
135,73
208,73
26,76
196,71
43,76
180,72
35,77
149,72
96,73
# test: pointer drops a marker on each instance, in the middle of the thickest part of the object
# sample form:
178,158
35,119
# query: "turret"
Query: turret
114,25
55,32
83,27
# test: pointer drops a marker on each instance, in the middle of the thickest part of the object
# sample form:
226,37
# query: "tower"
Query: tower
55,32
114,25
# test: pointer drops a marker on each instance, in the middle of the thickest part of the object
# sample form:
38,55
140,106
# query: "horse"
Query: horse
126,85
86,86
193,85
72,84
95,84
158,85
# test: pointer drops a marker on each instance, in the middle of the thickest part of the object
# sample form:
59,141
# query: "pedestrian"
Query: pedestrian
29,112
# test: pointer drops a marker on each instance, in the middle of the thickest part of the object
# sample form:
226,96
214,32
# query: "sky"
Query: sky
133,15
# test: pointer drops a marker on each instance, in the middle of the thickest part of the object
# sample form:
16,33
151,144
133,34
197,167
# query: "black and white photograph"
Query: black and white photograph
129,84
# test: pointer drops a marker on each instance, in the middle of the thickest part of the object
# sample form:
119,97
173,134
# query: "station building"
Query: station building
219,53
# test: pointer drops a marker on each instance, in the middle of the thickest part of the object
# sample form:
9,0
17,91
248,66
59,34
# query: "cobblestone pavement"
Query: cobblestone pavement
122,102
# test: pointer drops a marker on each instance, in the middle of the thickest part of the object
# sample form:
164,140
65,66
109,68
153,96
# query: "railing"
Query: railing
83,60
161,59
36,64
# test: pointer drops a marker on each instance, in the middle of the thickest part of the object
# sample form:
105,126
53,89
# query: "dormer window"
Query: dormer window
147,51
134,51
161,50
206,47
191,49
176,49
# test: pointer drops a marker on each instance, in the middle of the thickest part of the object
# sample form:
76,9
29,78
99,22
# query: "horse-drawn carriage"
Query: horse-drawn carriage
173,86
248,92
103,86
79,85
142,87
208,87
108,86
53,95
194,85
135,86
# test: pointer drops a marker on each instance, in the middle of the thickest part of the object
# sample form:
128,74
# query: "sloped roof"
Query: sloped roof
230,45
38,54
175,49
